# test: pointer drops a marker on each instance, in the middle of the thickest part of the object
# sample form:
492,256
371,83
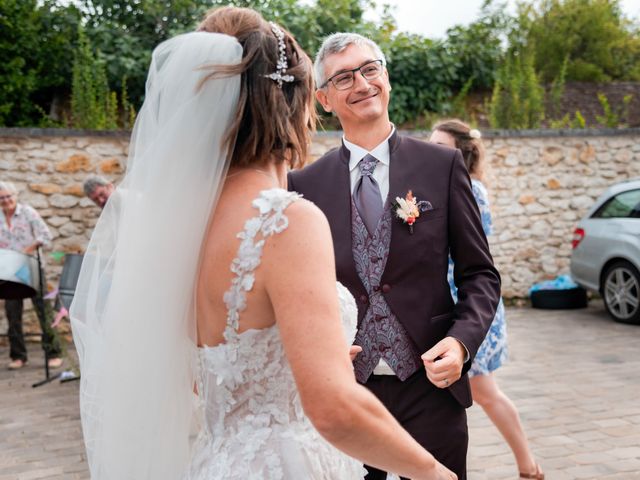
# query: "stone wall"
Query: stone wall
540,182
49,167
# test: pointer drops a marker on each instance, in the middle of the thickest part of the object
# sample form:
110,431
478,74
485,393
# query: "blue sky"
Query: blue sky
431,18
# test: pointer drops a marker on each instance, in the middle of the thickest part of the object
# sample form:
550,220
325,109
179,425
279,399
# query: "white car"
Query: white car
606,250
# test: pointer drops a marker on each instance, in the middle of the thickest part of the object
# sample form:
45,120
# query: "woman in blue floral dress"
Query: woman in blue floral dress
493,351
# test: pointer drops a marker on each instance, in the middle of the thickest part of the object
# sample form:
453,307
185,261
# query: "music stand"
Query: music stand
67,289
40,306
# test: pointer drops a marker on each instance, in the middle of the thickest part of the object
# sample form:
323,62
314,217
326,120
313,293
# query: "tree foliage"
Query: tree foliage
421,75
598,41
563,40
36,42
478,47
126,31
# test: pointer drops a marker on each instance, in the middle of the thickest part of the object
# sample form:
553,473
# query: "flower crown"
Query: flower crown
475,134
282,65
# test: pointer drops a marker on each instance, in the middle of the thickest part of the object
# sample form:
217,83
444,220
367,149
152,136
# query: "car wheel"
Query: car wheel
621,292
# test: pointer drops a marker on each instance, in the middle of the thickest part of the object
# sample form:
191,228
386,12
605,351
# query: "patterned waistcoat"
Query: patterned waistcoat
380,334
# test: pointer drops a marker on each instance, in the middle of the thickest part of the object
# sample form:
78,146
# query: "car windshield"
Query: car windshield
623,205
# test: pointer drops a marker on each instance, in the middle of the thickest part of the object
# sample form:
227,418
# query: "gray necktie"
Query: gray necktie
367,196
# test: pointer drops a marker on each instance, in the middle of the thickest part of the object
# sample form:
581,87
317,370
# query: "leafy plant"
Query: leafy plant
557,89
45,120
128,111
578,121
517,100
612,118
566,121
458,106
626,102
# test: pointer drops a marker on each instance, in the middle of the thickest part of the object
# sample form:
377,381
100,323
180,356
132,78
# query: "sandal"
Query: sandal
538,475
55,362
16,364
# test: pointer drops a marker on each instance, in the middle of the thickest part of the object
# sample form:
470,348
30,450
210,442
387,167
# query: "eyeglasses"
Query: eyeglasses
345,80
5,197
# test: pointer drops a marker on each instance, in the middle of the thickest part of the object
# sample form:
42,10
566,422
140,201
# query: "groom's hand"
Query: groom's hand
443,362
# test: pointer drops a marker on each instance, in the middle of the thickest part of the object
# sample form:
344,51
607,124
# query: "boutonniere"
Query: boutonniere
408,209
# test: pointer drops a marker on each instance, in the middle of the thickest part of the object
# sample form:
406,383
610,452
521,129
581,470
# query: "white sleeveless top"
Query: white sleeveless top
254,425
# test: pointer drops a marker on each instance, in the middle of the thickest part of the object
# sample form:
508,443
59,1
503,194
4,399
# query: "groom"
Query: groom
417,345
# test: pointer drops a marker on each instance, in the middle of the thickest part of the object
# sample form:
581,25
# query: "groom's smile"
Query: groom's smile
366,97
364,101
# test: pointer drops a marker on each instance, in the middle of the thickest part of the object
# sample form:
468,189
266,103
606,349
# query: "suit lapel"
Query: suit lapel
399,177
338,210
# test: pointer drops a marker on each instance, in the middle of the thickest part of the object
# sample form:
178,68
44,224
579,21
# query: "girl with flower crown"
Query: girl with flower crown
493,351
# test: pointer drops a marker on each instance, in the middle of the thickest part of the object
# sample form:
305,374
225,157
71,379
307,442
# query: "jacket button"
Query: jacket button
364,298
386,288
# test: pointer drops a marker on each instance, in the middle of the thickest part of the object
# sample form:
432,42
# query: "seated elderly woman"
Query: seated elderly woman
23,230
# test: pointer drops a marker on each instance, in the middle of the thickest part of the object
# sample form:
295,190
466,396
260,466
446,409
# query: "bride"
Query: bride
207,298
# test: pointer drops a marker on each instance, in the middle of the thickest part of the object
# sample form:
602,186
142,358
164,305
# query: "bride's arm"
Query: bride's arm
299,272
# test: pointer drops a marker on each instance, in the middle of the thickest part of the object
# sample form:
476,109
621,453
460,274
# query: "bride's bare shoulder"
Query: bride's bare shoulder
307,232
305,214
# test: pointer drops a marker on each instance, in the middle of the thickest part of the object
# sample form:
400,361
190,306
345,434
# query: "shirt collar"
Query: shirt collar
357,153
17,213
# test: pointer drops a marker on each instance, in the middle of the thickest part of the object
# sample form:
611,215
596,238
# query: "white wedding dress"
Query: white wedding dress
253,423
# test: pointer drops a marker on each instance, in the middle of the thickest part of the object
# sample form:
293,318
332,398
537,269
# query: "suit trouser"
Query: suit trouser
18,349
431,415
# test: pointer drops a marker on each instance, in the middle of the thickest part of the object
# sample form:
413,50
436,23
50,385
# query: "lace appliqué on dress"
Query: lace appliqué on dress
271,220
253,423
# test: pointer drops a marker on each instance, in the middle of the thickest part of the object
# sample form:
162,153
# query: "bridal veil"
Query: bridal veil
133,313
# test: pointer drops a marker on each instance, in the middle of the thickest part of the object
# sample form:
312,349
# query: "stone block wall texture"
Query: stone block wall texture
540,182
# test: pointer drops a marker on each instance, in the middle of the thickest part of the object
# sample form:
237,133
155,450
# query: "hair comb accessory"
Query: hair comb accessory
475,134
282,65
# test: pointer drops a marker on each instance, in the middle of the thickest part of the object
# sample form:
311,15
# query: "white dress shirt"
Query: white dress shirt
381,175
381,172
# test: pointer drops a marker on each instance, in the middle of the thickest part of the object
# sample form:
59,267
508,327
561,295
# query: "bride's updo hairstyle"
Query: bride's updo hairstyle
468,141
273,121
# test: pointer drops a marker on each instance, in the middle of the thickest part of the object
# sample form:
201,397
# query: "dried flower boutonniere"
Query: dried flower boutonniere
408,209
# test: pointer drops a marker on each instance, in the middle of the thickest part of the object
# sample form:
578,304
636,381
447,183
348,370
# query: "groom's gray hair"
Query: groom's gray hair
336,43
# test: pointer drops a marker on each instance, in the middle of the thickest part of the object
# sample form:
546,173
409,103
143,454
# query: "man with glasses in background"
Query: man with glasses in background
397,206
98,189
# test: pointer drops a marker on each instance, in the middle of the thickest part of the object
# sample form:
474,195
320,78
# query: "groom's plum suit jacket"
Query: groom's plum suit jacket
414,282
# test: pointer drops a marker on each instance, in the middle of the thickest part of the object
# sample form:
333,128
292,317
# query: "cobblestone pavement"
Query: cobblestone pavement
574,376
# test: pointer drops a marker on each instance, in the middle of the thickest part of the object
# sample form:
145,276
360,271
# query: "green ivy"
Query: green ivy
93,105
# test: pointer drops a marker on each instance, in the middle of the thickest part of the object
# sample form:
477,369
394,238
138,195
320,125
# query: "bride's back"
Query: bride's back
220,249
275,119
